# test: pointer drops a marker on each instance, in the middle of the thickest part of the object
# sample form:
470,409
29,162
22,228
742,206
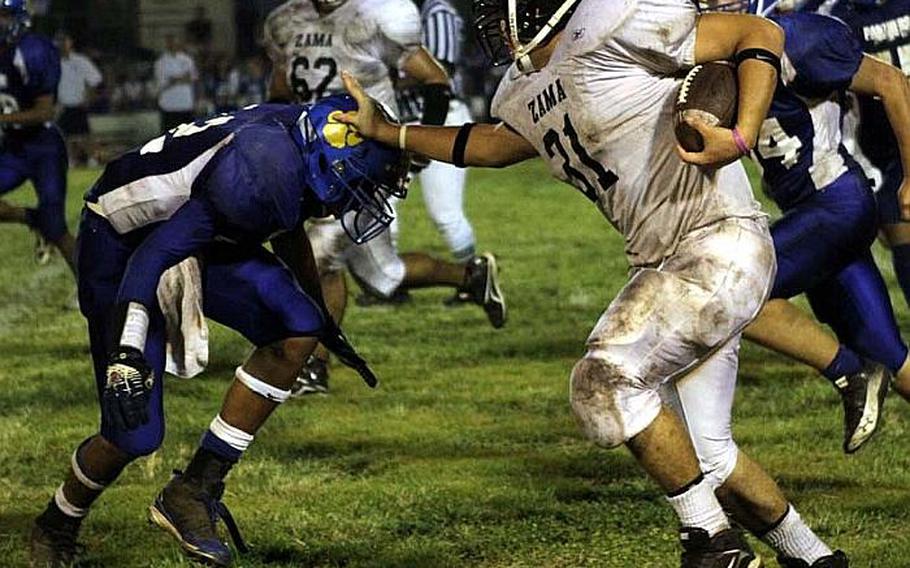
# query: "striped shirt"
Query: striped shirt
443,29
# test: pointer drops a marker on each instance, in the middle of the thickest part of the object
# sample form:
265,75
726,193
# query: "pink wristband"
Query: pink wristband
740,141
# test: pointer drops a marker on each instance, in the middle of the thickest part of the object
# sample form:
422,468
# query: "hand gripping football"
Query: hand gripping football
709,92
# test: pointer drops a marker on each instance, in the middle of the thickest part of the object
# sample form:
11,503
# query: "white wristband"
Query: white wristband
403,136
135,327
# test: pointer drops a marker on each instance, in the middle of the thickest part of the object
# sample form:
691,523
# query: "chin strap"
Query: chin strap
524,64
522,51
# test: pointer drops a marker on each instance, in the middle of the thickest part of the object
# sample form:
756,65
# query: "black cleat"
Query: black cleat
53,544
726,549
863,395
482,284
189,511
313,379
836,560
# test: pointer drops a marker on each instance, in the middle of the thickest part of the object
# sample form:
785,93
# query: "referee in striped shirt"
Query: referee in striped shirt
443,184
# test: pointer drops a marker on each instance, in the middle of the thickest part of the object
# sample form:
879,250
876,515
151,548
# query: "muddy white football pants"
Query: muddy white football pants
678,320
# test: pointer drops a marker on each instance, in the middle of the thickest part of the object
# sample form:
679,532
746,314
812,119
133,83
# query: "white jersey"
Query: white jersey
365,37
600,113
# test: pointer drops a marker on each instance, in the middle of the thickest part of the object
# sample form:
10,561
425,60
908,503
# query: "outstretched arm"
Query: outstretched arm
879,79
487,145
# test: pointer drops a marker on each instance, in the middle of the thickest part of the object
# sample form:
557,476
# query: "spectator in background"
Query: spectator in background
222,84
253,82
78,79
176,76
199,30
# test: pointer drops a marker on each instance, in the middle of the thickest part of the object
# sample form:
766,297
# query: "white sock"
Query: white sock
793,539
699,507
66,507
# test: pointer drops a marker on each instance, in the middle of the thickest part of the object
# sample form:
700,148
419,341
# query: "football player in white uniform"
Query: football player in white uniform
591,90
310,41
441,184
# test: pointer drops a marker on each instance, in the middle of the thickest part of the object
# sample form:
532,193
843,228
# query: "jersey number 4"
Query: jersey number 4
773,142
552,141
300,69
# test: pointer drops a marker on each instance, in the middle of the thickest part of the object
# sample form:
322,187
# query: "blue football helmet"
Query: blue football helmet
20,20
351,175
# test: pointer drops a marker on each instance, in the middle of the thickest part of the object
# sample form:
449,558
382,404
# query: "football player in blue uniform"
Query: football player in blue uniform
822,242
32,147
882,30
880,25
216,190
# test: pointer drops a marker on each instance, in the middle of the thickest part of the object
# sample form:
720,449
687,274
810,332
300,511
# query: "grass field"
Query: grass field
466,456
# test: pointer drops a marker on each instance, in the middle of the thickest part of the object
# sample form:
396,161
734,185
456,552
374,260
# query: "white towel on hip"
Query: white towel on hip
180,297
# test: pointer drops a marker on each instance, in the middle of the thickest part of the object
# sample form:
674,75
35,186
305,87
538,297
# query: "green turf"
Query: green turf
466,456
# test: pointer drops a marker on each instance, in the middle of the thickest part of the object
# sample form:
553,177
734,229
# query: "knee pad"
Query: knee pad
138,443
610,405
717,459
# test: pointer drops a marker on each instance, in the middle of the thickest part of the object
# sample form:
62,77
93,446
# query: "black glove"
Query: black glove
126,394
334,340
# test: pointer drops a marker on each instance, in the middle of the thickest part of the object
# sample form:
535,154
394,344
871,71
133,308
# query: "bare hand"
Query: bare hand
903,199
720,149
368,119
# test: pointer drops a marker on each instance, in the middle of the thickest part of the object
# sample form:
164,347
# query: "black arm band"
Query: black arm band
461,142
436,97
760,54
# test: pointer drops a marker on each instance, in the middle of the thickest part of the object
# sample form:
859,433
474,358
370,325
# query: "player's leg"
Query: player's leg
789,330
329,243
856,304
443,187
13,173
897,237
259,297
704,401
98,460
895,230
812,243
660,326
48,163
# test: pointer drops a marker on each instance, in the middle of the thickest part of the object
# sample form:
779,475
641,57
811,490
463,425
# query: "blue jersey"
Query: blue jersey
800,148
239,177
884,31
28,70
220,160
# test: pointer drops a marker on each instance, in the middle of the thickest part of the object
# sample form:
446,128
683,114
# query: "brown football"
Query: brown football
710,92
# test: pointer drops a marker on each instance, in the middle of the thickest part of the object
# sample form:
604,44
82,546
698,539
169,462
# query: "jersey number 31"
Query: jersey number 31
552,141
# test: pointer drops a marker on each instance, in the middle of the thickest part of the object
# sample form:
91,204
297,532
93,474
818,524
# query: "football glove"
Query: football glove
334,340
126,394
